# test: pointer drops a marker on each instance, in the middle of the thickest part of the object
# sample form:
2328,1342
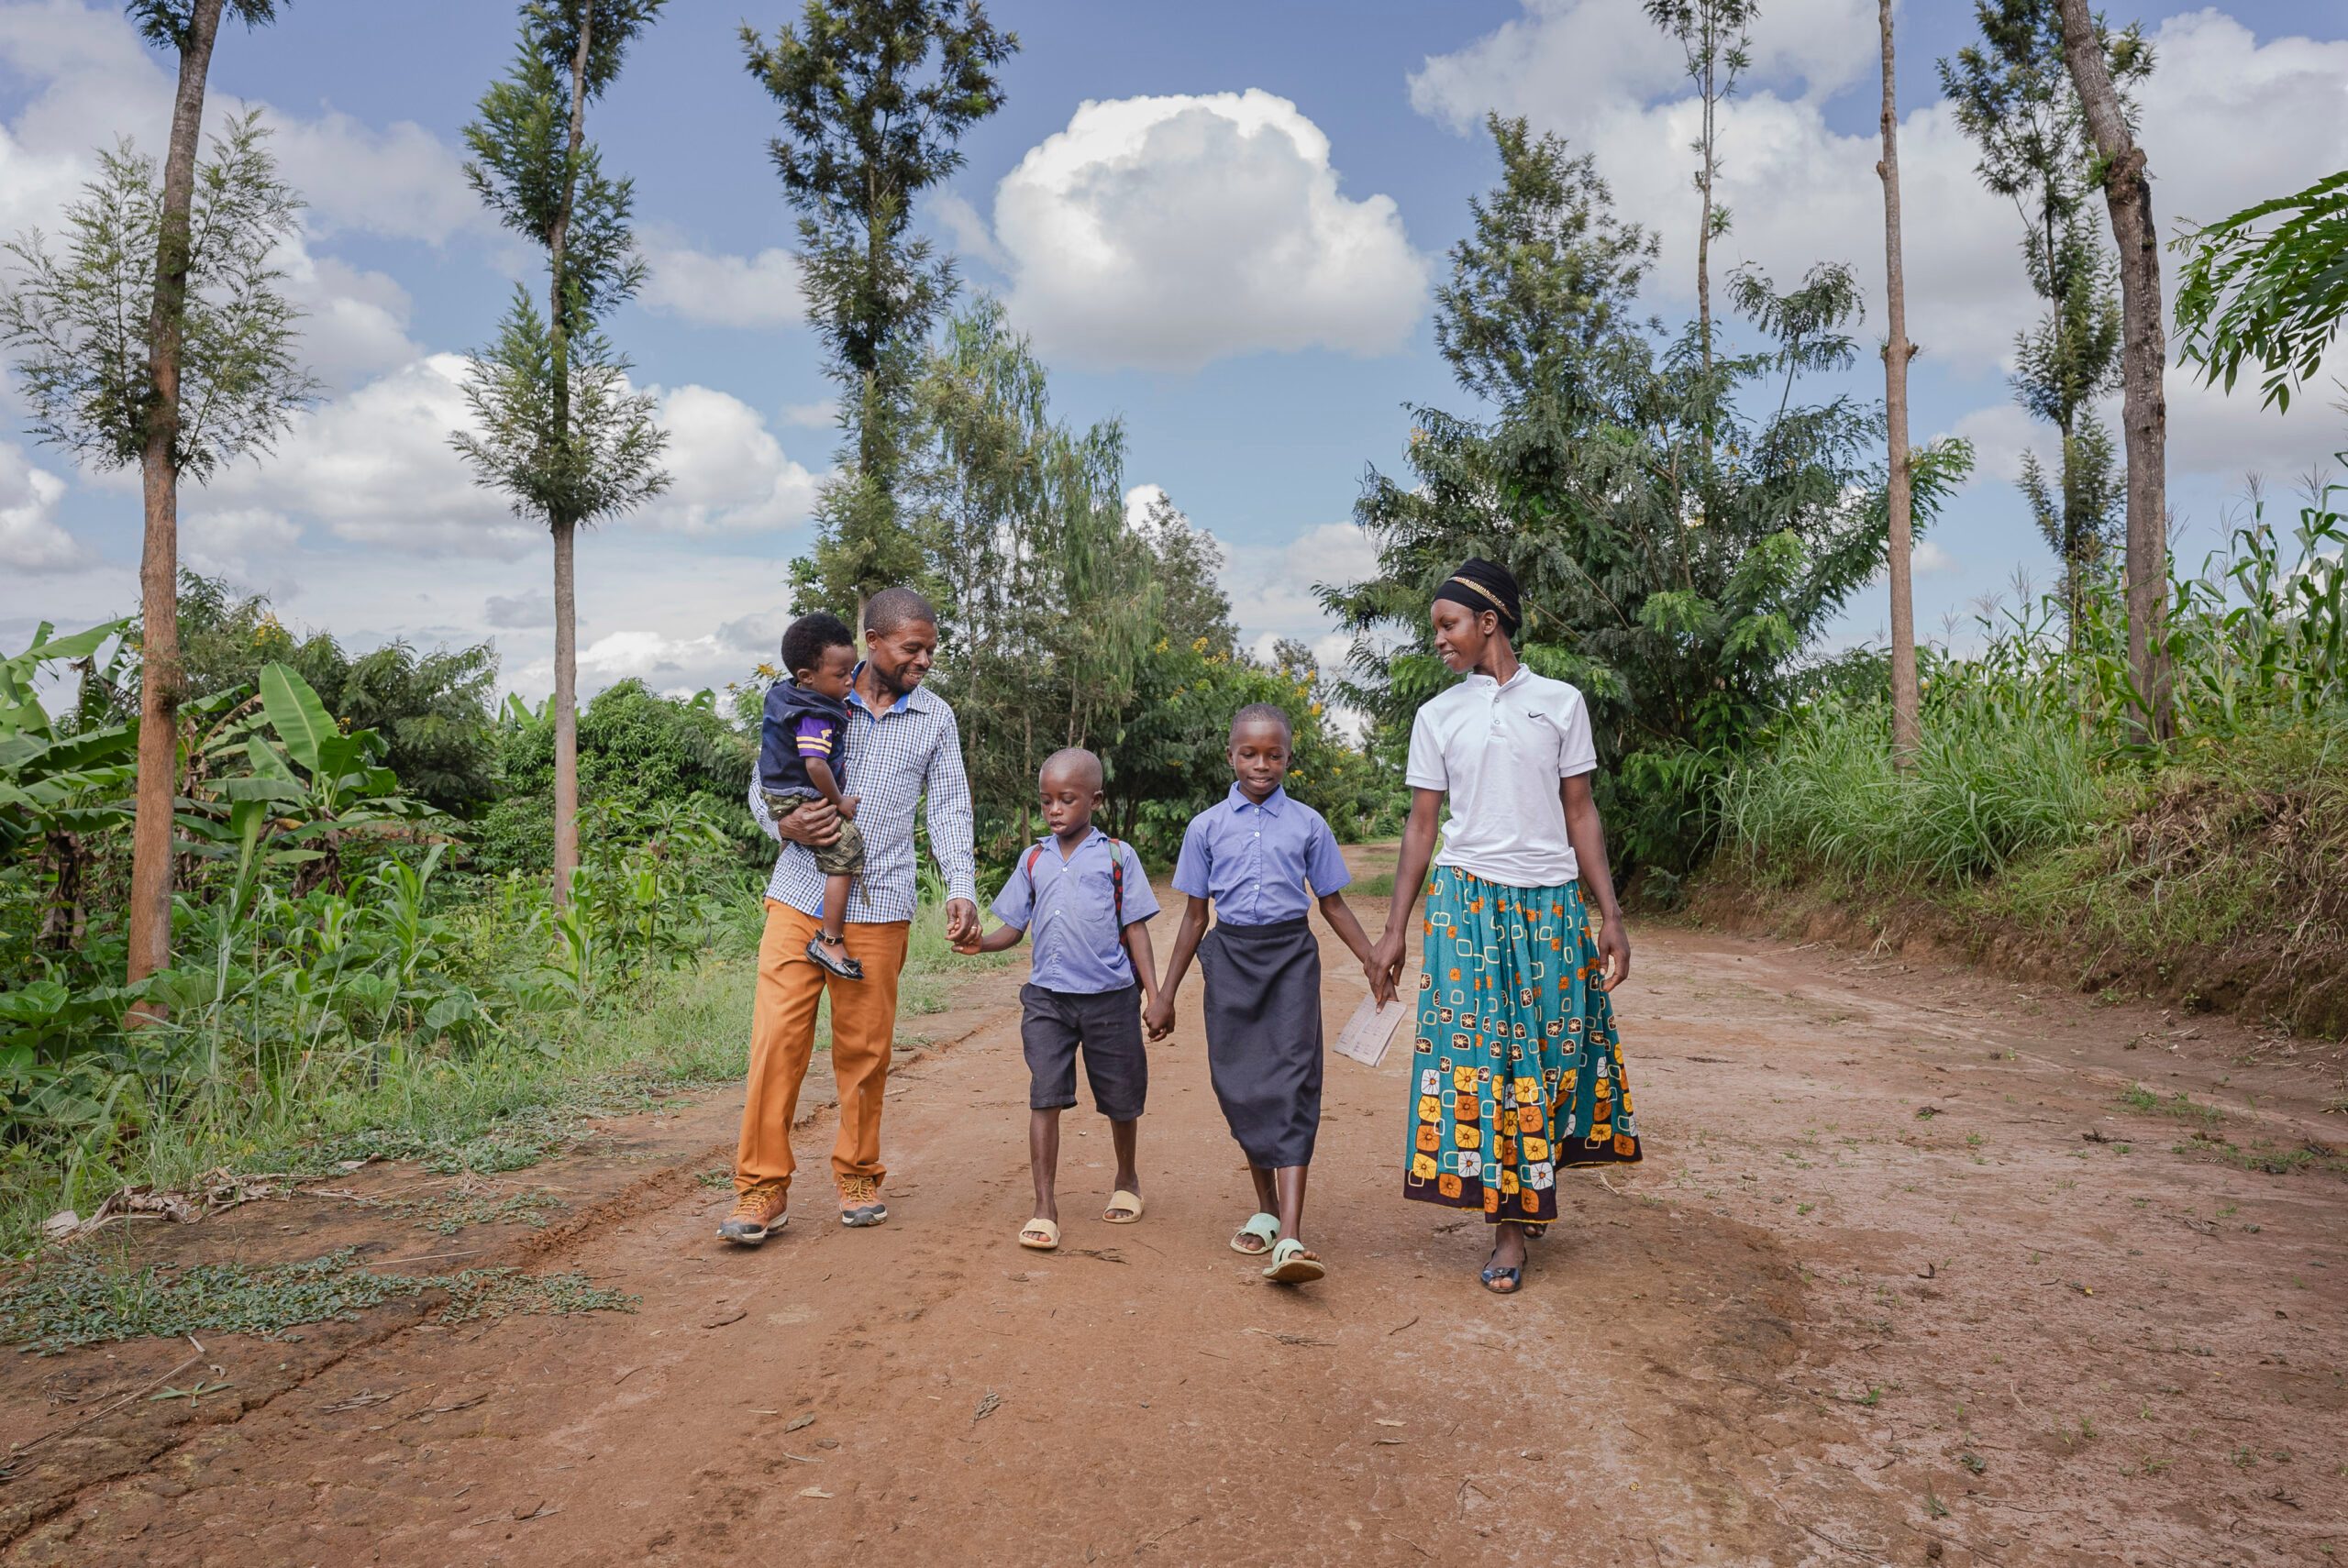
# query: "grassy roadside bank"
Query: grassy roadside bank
488,1111
2218,882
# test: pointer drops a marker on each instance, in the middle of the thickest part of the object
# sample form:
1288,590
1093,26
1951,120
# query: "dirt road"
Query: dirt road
1904,1280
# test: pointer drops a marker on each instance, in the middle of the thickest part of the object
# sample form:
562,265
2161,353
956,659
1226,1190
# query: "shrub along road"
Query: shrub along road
1915,1272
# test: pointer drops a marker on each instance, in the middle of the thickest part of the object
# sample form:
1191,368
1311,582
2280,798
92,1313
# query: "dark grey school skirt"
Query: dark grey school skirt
1263,1016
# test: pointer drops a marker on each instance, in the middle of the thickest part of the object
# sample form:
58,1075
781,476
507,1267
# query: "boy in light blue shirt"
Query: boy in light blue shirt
1088,902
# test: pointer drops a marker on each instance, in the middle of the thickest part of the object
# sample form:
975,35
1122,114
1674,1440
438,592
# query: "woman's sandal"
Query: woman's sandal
1040,1234
1292,1264
1124,1208
1261,1228
1503,1281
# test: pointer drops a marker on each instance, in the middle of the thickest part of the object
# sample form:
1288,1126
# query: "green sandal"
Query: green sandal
1292,1264
1263,1229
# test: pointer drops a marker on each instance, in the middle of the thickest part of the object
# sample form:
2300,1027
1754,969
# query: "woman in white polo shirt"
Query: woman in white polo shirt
1517,1073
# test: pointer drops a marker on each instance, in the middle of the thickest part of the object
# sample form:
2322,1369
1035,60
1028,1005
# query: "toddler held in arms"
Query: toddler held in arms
803,749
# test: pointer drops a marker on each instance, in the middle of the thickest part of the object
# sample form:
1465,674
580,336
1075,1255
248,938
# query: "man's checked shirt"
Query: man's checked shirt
893,759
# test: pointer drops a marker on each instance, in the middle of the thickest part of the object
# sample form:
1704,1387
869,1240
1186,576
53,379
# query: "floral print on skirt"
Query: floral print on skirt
1517,1073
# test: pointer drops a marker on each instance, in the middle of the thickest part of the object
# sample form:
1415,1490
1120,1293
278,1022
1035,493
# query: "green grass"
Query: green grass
527,1098
2180,1105
1379,886
83,1298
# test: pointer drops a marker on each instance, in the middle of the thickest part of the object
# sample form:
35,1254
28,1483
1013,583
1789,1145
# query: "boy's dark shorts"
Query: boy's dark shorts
844,857
1108,1023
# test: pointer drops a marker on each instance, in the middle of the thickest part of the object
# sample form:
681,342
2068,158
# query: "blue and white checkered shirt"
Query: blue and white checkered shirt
893,759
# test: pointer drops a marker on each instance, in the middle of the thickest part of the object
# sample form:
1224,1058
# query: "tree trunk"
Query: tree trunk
566,716
159,562
1907,724
565,624
2143,355
1704,218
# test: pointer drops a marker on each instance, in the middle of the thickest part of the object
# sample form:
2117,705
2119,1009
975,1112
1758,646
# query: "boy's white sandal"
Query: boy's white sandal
1040,1234
1124,1208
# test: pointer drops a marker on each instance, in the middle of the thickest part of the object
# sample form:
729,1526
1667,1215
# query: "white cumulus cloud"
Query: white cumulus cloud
727,470
712,290
2227,118
1167,232
30,539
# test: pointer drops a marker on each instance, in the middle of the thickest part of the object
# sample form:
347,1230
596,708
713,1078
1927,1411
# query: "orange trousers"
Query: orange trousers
782,1040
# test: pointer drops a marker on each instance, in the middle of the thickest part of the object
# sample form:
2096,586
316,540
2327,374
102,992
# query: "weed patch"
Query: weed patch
83,1298
2180,1105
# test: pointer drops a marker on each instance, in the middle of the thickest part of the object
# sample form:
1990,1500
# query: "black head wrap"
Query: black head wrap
1481,586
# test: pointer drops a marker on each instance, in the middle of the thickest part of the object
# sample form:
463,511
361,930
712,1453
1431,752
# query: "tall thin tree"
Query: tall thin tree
1715,37
875,97
557,429
145,416
2012,95
2144,354
1907,719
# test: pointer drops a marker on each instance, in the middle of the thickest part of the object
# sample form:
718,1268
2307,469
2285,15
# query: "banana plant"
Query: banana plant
53,779
280,784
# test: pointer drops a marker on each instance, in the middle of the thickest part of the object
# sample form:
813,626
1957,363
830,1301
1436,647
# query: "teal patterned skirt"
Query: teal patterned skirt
1517,1074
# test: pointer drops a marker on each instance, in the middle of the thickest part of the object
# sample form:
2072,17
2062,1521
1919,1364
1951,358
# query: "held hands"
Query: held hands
962,925
1614,953
1158,1018
1384,966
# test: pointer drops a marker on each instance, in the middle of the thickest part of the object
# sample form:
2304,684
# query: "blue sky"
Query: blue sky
1231,249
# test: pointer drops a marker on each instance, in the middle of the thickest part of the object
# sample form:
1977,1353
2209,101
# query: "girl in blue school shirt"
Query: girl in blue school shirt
1262,859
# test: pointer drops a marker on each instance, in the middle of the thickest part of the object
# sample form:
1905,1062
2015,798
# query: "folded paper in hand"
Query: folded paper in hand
1371,1031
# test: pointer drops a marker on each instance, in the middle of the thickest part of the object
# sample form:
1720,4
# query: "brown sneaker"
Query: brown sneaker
860,1202
758,1213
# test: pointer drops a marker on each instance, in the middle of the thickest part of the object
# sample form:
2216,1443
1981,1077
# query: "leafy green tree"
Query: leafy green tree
639,754
1188,565
160,337
2274,296
2012,95
557,429
875,97
1565,325
1049,598
1716,38
1678,550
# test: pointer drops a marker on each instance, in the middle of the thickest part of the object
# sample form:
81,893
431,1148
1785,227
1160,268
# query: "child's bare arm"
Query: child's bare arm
1340,916
1135,938
1001,939
827,785
1186,947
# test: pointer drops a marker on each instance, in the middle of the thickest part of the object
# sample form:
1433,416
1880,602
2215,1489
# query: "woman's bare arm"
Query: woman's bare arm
1410,875
1587,835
